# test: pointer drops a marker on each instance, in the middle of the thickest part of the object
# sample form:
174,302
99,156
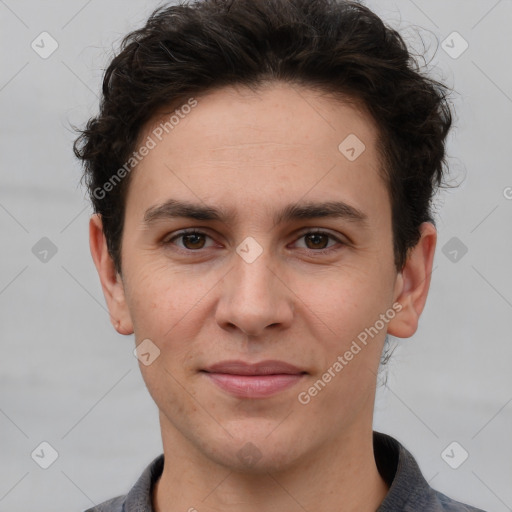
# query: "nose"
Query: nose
254,297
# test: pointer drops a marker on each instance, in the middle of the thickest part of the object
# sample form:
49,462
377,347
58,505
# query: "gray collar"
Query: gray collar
409,491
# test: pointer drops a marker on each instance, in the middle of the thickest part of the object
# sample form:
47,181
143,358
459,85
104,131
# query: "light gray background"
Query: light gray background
69,379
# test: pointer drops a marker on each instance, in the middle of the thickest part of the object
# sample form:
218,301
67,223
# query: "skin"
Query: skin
200,303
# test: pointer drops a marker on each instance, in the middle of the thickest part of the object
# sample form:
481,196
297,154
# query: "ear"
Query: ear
111,282
413,282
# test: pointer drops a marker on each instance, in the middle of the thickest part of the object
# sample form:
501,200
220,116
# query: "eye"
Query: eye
318,241
190,240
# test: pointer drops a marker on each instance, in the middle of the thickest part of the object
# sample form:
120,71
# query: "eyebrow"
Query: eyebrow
173,208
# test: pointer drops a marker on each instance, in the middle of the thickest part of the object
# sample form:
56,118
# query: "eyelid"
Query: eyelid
167,239
320,231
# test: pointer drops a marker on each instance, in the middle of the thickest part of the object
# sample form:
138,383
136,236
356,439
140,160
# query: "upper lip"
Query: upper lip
262,368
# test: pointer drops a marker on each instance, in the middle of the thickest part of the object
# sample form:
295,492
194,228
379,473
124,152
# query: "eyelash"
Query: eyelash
328,250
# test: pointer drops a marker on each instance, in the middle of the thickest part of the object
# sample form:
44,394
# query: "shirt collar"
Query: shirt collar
395,464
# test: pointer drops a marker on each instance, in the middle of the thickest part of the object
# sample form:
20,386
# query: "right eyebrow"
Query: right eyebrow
173,208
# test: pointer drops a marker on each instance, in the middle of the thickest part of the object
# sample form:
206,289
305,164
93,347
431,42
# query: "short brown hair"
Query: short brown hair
339,47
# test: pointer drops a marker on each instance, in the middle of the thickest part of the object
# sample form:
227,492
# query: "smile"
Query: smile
259,380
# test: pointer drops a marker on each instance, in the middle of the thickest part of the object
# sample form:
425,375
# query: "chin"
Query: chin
256,452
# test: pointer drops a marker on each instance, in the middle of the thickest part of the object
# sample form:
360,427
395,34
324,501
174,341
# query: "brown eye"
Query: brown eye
319,242
189,240
193,240
316,240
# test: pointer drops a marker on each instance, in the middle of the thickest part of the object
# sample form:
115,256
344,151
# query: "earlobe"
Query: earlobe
413,283
111,282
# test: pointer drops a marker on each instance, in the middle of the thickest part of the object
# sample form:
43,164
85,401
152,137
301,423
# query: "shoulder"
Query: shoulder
446,504
138,498
113,505
408,489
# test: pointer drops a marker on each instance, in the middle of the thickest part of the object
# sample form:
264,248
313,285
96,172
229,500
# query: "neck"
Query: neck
341,476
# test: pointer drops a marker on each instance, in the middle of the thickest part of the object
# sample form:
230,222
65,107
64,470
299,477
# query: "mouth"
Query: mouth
259,380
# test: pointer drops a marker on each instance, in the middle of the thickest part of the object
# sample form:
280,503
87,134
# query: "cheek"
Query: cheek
162,305
344,302
156,298
345,308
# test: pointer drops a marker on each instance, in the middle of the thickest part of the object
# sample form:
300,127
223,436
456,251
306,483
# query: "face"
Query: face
256,254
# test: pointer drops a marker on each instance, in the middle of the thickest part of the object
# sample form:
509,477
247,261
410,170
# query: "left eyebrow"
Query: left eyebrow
173,208
333,209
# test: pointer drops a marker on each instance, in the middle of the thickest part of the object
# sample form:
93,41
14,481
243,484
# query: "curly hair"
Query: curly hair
339,47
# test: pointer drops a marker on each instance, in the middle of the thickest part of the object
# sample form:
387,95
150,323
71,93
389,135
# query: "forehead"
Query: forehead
237,143
276,114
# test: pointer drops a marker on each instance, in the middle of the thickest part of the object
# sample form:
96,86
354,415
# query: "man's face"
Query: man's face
254,285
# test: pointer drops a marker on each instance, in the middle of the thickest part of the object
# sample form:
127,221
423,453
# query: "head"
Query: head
298,145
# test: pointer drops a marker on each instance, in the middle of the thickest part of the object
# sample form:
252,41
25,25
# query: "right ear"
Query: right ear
111,281
413,283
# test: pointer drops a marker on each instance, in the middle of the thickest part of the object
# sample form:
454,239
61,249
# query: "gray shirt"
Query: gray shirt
408,492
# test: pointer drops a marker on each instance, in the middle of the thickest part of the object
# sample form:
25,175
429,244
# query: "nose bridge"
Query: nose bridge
253,280
251,264
253,298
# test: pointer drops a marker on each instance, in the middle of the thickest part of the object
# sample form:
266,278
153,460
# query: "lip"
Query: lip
254,380
268,367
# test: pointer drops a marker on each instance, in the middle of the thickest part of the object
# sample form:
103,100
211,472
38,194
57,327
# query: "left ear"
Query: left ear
413,282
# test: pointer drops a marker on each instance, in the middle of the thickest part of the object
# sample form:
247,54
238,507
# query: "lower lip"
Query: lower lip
254,386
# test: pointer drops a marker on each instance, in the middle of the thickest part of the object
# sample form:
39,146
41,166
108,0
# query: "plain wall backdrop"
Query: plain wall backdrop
68,379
